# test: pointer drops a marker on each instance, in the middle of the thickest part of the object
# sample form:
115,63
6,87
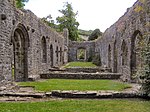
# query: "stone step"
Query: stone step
81,75
89,94
34,95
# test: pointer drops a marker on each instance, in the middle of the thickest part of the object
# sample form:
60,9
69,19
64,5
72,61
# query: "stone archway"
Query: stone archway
51,56
115,58
20,42
135,55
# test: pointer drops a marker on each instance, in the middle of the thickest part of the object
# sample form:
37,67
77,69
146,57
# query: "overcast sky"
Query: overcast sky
92,14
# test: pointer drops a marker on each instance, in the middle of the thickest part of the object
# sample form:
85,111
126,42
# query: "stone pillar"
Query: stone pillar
66,36
66,43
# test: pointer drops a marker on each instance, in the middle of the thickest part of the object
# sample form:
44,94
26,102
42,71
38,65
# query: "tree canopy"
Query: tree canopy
145,74
50,21
20,3
95,34
68,20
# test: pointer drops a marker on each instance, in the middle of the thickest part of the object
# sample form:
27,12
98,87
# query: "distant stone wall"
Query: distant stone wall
27,44
74,46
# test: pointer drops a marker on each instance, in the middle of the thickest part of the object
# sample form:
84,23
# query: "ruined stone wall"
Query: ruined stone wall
32,30
132,28
74,46
31,47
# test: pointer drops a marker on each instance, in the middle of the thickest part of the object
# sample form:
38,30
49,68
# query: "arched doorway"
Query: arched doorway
135,54
115,59
51,55
20,42
44,50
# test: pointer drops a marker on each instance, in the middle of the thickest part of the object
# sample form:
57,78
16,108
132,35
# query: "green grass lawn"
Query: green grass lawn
82,85
79,64
77,106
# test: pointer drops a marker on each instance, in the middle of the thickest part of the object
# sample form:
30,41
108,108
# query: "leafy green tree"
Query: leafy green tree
145,74
20,3
95,34
49,21
68,20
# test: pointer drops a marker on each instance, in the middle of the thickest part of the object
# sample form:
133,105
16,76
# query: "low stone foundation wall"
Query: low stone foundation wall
94,94
81,75
88,70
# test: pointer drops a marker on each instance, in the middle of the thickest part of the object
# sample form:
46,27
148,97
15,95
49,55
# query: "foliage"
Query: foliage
81,54
21,3
69,105
138,8
85,33
97,59
95,34
49,21
80,39
81,85
79,64
145,74
68,20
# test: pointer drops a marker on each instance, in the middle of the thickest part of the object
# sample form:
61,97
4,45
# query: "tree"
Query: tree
95,34
49,21
20,3
145,74
68,20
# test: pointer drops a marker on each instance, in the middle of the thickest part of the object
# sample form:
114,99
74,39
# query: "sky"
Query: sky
92,14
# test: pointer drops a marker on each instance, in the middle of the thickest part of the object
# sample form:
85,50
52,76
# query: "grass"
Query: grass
82,85
77,106
79,64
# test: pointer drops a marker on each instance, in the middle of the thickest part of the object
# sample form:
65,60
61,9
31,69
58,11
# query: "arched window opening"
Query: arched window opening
136,60
57,54
60,54
109,56
44,50
115,58
124,53
20,43
51,56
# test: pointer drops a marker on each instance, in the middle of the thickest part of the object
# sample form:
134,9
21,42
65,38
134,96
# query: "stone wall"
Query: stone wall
28,47
67,75
88,46
119,45
27,44
87,70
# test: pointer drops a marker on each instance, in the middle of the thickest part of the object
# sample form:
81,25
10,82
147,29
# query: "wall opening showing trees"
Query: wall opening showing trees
81,54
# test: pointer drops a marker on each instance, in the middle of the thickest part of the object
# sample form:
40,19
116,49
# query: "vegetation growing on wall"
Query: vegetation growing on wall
20,3
145,73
